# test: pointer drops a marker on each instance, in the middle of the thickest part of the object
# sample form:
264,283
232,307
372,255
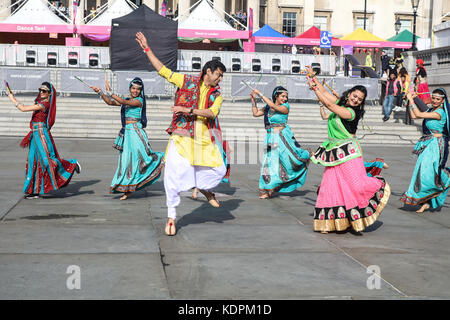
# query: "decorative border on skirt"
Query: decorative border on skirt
337,155
418,201
340,219
133,187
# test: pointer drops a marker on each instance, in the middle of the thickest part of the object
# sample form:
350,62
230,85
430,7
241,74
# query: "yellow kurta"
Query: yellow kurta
200,150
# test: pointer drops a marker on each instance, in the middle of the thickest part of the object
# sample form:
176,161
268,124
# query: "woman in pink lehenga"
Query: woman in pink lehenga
347,196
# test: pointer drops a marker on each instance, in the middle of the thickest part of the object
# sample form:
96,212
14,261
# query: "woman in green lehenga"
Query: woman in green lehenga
430,181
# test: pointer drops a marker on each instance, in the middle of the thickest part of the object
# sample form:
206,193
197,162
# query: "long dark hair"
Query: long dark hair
344,98
445,131
144,104
277,91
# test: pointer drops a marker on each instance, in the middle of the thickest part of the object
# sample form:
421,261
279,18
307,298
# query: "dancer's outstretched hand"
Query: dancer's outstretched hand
142,40
256,91
107,87
95,89
11,97
310,70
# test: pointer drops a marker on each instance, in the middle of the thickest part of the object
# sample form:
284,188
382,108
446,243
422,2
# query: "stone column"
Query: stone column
254,4
183,6
219,5
80,13
308,14
150,4
3,12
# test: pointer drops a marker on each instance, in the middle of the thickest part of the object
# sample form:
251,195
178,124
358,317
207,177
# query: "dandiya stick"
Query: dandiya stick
87,84
7,87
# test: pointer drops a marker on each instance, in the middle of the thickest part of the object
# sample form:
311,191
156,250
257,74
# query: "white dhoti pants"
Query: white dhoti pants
180,175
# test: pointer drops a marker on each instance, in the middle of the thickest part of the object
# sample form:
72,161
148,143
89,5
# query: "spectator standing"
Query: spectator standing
392,67
399,59
369,61
405,84
384,63
393,88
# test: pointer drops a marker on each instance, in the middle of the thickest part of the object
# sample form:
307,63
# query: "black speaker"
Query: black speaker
52,58
295,66
30,56
93,60
276,65
73,58
316,67
256,65
196,63
236,64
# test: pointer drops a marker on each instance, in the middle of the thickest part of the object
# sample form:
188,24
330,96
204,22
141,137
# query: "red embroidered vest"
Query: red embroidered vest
188,96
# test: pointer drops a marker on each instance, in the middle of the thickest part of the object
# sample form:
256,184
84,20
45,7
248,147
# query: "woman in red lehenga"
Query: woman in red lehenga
45,170
422,82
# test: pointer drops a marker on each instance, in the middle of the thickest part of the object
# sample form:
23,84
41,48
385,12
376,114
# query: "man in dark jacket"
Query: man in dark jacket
384,63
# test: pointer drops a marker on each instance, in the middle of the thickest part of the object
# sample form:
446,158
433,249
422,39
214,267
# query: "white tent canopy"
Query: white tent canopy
34,12
204,17
117,9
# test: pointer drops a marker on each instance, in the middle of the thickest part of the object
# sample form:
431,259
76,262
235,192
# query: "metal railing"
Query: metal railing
188,60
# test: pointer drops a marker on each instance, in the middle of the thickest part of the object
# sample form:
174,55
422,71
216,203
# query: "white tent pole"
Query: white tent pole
19,7
212,4
8,7
100,10
134,6
48,3
182,15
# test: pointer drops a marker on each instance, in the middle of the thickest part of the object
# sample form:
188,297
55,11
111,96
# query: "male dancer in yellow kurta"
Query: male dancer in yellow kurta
191,160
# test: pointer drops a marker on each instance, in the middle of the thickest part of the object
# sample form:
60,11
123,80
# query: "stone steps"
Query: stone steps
91,118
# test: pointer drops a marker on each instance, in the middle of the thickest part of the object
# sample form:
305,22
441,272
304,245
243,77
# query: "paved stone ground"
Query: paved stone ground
247,249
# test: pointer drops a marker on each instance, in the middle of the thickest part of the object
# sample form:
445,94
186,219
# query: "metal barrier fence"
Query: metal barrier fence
188,60
233,86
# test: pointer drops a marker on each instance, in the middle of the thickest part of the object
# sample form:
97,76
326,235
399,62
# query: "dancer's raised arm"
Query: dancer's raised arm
418,113
325,94
280,108
22,107
342,112
142,40
256,112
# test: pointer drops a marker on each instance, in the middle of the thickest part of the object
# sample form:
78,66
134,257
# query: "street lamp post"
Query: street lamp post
415,5
397,25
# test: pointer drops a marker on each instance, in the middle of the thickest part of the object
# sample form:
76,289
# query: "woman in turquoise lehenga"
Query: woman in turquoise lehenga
138,165
431,178
285,163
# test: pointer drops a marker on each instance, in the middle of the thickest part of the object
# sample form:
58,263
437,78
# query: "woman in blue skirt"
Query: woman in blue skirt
138,164
431,178
285,162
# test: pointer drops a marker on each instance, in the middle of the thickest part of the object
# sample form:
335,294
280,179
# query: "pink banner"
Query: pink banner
218,34
73,42
335,42
84,28
250,22
35,28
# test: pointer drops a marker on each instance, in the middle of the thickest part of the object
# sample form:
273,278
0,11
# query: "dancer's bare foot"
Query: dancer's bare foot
125,196
425,207
264,196
170,229
211,198
195,193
